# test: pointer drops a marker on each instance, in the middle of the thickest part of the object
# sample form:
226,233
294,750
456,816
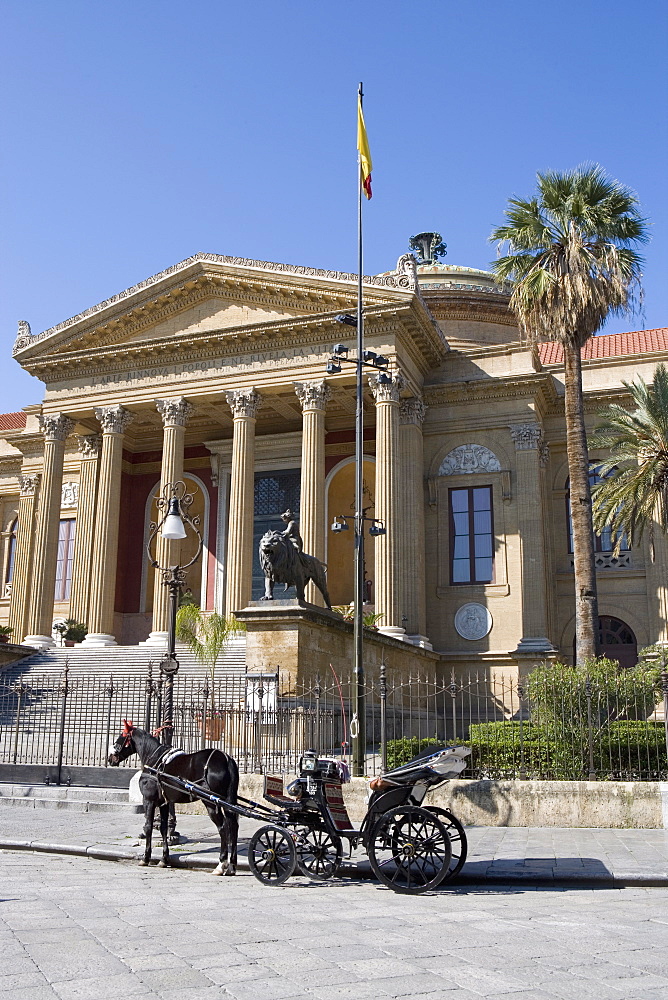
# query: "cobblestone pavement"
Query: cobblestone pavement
77,929
504,853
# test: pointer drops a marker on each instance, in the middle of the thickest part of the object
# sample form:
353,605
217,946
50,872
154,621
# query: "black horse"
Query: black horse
213,770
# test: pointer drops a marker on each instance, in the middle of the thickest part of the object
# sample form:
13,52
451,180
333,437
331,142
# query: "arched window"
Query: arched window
11,555
606,540
617,641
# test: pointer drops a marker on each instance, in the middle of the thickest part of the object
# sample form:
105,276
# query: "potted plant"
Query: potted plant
75,631
206,635
5,632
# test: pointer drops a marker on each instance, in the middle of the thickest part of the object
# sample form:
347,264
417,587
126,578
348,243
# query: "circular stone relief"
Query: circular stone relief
473,621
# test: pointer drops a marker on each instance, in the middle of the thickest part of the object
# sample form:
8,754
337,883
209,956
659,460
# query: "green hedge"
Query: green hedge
632,750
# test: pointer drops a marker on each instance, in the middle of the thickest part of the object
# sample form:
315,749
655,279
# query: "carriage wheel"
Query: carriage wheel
272,857
409,849
458,842
319,853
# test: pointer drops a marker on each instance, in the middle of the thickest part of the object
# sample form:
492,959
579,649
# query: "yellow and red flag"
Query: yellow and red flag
363,148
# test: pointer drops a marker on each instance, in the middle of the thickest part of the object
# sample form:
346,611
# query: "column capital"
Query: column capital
412,411
29,484
386,393
55,426
89,445
527,437
313,395
244,402
174,412
114,419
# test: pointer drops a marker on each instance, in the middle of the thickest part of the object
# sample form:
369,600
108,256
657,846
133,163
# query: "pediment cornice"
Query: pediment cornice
305,289
407,320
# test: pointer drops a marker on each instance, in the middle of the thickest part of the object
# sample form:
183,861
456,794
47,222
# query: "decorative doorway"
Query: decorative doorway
274,493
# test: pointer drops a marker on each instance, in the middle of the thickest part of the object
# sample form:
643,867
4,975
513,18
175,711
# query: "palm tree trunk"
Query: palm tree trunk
586,601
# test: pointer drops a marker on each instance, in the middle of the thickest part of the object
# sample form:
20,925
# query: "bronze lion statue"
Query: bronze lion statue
281,562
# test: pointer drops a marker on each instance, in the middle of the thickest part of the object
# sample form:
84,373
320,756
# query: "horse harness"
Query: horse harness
168,754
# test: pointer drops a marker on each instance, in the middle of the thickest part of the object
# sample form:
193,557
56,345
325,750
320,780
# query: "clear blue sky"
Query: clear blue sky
138,132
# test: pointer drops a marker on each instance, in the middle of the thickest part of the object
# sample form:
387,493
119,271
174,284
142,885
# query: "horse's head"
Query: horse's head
124,745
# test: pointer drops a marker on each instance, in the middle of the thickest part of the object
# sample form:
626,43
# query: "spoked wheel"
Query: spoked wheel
272,857
409,849
319,853
458,843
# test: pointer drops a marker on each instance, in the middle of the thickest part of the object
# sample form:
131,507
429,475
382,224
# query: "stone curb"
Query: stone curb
101,852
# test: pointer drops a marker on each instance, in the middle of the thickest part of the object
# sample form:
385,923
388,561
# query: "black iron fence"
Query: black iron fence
551,725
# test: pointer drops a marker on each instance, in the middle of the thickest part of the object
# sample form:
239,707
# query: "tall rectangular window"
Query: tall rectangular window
471,535
66,535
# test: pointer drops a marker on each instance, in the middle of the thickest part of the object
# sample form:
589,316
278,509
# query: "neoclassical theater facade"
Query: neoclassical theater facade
214,372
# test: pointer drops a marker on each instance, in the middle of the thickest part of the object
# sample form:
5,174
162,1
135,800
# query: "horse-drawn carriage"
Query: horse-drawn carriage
411,847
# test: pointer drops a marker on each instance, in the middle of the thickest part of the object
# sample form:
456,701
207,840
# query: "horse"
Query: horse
214,770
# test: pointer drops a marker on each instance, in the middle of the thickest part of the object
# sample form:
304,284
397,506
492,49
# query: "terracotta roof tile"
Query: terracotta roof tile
12,421
611,345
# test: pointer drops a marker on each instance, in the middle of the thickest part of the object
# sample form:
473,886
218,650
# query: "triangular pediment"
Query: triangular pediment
206,293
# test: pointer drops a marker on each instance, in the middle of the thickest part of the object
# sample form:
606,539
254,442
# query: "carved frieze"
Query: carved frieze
468,459
412,411
28,485
55,426
89,445
114,419
313,395
174,412
69,495
527,437
244,402
23,335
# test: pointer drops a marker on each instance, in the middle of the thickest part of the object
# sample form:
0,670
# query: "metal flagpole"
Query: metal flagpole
359,738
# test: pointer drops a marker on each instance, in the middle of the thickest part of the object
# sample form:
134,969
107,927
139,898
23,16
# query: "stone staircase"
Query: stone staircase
123,662
41,724
64,798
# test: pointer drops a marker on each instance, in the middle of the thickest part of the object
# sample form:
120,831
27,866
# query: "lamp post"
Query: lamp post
364,359
173,505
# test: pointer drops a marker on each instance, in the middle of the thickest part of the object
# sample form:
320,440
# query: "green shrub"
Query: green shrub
628,750
557,693
401,751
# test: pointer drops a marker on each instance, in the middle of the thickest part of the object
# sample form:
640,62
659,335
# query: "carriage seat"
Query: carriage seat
274,792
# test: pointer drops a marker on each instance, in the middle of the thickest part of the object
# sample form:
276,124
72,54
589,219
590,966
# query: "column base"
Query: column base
393,630
99,639
530,646
39,641
156,639
418,640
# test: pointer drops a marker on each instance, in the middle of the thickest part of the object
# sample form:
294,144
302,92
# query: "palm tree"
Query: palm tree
570,257
206,635
634,492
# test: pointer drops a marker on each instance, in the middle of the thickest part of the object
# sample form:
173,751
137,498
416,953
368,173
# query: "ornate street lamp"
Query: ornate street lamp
364,359
173,505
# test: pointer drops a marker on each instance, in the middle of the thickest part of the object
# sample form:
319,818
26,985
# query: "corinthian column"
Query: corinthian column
114,421
244,404
23,554
55,428
175,414
89,447
313,396
388,555
529,452
411,519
